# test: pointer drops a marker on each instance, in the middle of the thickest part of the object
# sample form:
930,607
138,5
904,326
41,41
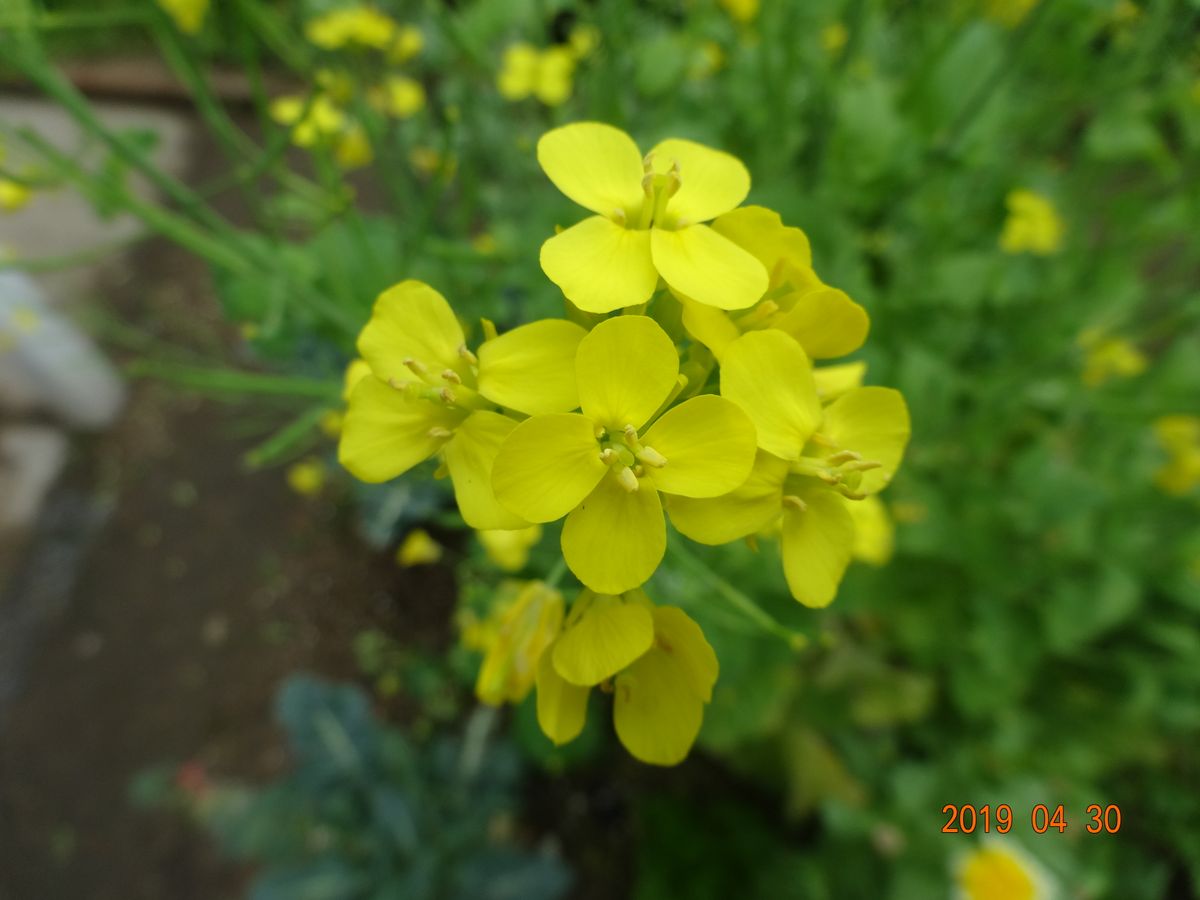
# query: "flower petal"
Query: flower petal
713,182
761,232
874,532
874,422
561,706
833,381
769,376
608,635
509,548
532,368
656,712
826,322
626,367
699,263
469,456
386,433
596,165
708,443
601,266
816,545
411,321
616,538
524,632
710,326
745,511
547,465
678,635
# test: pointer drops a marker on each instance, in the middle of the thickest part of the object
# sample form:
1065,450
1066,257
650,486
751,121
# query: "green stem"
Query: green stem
231,381
286,438
731,595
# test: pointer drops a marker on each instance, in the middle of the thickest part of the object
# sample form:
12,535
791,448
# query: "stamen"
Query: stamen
608,456
600,432
440,433
417,368
447,396
451,376
651,457
468,355
618,216
639,471
795,503
843,456
628,480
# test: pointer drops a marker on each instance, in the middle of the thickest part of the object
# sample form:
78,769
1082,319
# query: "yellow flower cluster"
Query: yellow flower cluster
1107,357
699,400
188,15
549,74
326,116
1033,225
1179,437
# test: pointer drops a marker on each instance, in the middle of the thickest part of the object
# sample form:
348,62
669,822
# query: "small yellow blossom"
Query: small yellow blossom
514,638
660,667
528,72
1000,871
364,26
418,549
1107,357
1179,437
428,395
509,550
707,59
1033,225
331,422
648,221
605,467
352,149
306,477
584,39
743,11
813,462
1009,13
312,120
188,15
399,96
13,196
834,37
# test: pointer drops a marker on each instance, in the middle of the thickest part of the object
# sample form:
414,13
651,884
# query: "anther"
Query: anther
440,433
417,368
618,216
468,355
447,396
451,376
651,457
639,471
608,456
628,480
843,456
795,503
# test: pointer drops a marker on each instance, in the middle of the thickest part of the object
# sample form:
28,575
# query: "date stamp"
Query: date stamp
968,819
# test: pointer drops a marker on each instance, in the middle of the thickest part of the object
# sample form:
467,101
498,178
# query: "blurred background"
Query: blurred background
229,670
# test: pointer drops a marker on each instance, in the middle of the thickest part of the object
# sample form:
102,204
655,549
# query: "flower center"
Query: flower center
627,457
841,470
451,387
658,190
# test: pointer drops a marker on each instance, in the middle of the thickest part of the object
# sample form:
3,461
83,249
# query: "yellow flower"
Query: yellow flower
812,462
352,150
311,120
583,40
510,549
874,533
659,665
514,640
427,395
743,11
604,469
13,196
1033,225
1107,357
331,422
825,321
418,549
1179,436
1009,13
399,97
306,477
999,871
648,223
707,60
546,74
364,26
188,15
834,37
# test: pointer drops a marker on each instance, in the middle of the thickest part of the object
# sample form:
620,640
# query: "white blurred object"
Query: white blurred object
31,457
48,364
